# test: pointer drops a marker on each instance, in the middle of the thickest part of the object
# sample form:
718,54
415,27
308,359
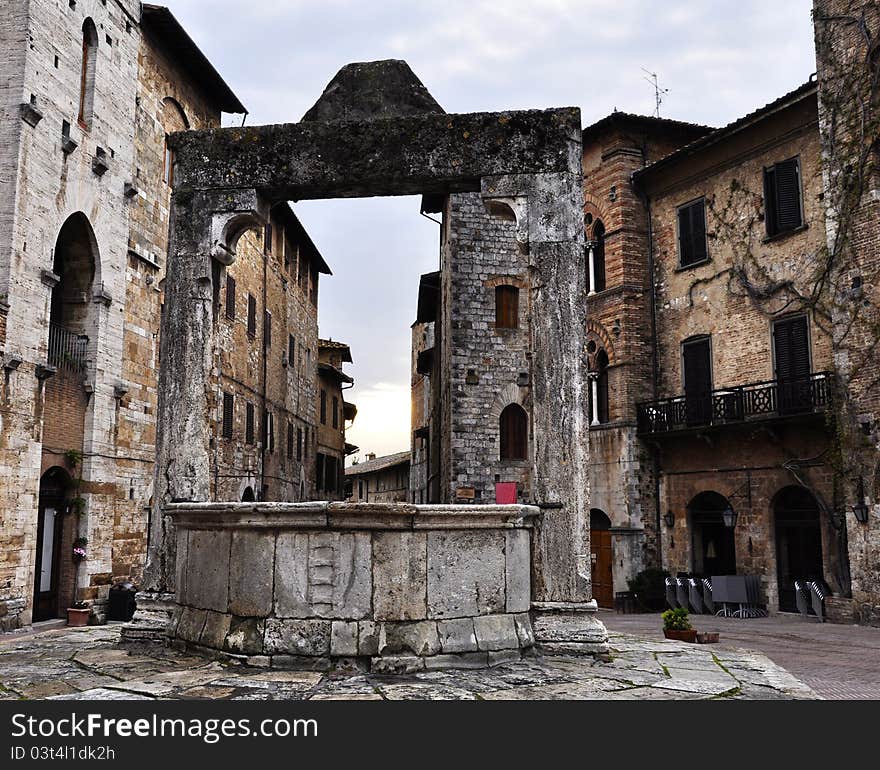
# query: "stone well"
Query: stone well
401,587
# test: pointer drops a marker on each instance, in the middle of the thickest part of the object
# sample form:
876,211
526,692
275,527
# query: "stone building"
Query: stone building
333,413
89,91
379,479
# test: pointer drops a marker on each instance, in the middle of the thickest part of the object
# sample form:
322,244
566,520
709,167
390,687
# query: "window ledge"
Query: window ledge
783,235
692,265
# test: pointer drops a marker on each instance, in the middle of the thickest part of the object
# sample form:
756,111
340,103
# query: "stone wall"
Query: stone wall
401,588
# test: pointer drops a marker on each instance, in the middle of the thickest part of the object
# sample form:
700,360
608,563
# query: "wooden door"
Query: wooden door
602,574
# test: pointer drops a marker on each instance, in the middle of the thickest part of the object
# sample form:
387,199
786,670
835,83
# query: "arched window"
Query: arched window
600,410
87,76
506,307
596,259
173,119
514,433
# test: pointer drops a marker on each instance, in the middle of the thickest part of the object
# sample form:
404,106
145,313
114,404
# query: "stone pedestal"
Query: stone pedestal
152,619
569,628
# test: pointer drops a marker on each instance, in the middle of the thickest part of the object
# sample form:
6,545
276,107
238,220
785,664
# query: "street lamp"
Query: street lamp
860,509
729,516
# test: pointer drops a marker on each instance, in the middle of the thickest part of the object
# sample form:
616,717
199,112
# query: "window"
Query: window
323,407
228,413
331,473
291,350
692,233
514,433
782,197
791,353
87,75
252,316
269,431
696,355
313,294
267,238
299,444
319,471
267,330
230,297
249,424
289,440
360,490
335,412
600,391
596,265
168,165
506,307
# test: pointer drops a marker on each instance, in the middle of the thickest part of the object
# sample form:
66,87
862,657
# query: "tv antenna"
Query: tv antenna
659,92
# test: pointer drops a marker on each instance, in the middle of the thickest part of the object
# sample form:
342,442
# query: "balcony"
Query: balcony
730,406
67,351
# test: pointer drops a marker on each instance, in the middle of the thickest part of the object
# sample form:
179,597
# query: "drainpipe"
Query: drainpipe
265,422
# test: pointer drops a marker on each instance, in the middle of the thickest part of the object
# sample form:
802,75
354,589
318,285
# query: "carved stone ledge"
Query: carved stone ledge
30,114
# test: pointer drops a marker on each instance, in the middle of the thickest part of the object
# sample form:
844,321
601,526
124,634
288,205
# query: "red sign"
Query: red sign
505,493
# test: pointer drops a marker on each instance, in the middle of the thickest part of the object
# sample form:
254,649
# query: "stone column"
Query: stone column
548,210
594,398
591,270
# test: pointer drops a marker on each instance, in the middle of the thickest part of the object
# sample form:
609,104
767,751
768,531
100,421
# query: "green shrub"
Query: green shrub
676,620
649,587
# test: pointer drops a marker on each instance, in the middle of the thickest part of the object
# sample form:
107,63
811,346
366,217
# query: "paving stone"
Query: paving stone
464,660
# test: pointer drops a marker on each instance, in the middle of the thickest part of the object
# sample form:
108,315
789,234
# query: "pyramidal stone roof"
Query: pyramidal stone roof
371,90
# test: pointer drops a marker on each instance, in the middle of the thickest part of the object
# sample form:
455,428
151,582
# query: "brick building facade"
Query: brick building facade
89,91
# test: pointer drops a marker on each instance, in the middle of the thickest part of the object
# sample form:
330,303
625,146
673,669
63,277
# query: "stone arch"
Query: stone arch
510,394
797,531
513,433
174,117
597,333
595,208
713,546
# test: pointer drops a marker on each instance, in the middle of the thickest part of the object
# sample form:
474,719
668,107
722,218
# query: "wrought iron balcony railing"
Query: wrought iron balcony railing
67,350
757,401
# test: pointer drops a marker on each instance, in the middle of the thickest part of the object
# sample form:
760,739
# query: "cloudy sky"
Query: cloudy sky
719,59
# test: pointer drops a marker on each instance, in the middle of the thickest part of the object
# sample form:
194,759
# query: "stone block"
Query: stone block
191,624
569,626
465,573
419,638
246,636
302,662
517,571
524,630
399,576
323,575
343,638
298,637
216,628
207,573
500,657
180,565
250,573
466,660
496,632
457,635
397,664
368,637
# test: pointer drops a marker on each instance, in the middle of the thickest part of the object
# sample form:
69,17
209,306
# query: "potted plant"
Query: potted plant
676,625
78,615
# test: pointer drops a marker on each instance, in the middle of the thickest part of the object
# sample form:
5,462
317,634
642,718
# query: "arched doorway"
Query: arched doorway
248,495
714,549
602,558
53,492
798,542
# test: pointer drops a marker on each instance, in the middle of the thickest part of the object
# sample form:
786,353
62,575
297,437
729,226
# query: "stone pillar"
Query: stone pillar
548,210
594,398
591,270
205,226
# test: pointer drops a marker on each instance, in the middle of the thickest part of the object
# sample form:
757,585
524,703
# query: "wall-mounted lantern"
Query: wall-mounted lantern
669,519
860,509
729,517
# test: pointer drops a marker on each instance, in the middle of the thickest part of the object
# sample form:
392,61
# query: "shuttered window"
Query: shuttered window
782,197
791,345
289,440
323,407
267,238
268,432
249,424
331,473
696,357
228,414
299,444
506,307
230,297
335,412
319,471
291,350
267,330
514,433
692,233
252,316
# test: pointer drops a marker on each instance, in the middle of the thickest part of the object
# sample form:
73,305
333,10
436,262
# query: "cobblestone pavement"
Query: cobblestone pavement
837,662
91,664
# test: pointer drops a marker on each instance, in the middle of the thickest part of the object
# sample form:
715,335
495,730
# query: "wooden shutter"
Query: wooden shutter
249,424
252,316
335,412
299,444
291,350
792,348
289,440
230,297
323,407
228,414
267,238
697,367
506,307
692,233
782,197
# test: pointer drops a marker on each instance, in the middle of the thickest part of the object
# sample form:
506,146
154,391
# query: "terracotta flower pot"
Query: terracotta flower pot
681,636
77,617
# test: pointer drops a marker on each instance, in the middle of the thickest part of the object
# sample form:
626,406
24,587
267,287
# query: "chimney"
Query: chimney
371,456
